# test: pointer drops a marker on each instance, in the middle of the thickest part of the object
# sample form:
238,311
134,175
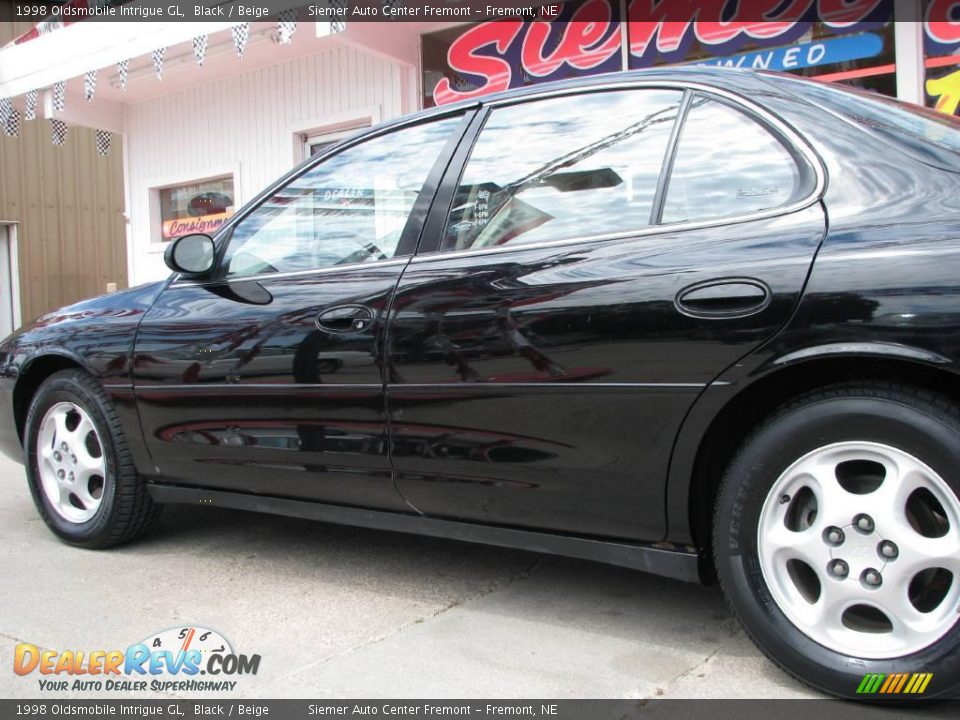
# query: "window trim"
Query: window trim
799,148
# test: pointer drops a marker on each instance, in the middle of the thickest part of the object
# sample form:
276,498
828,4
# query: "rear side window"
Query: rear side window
727,164
563,168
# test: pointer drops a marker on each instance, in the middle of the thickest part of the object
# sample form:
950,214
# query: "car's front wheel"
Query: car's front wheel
837,541
81,475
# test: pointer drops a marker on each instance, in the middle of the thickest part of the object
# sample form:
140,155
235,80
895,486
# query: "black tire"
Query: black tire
126,509
910,419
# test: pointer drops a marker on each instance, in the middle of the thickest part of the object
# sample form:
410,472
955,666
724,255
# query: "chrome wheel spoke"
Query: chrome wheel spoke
919,553
82,492
827,612
806,545
87,465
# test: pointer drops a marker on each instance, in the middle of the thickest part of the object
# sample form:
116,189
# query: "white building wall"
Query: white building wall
247,124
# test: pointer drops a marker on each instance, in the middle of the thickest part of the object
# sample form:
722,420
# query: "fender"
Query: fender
739,379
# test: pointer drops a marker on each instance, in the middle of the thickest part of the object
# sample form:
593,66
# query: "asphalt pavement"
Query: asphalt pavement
340,612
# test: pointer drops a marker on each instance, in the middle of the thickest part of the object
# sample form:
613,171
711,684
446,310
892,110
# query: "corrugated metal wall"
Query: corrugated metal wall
68,205
244,124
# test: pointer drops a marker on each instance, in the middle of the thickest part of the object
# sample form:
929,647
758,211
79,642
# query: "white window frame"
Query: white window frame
14,260
336,127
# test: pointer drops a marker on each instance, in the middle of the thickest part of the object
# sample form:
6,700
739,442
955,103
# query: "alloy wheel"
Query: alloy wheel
859,544
72,465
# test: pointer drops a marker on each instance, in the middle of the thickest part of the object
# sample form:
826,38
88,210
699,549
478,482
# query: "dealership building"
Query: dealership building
204,115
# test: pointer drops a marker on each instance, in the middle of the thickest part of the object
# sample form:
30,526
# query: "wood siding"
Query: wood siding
68,205
246,125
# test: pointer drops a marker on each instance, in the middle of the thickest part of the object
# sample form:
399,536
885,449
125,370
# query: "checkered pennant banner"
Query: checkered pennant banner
200,48
338,26
123,69
287,25
102,141
60,96
30,107
158,61
11,126
241,34
6,107
58,132
89,84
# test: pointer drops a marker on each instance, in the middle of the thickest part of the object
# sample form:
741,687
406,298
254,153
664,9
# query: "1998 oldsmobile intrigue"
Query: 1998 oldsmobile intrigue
701,323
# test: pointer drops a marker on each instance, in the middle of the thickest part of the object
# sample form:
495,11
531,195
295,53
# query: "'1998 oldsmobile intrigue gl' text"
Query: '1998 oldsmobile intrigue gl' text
701,323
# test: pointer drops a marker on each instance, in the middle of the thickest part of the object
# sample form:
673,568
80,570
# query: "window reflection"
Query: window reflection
350,208
564,168
727,164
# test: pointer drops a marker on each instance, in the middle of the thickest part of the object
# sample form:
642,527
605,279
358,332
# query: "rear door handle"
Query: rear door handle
723,298
345,318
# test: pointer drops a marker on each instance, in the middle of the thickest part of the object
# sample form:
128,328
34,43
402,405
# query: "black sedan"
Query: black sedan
701,323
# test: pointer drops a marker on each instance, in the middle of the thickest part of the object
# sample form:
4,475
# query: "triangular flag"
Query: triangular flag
11,126
286,25
200,49
58,132
60,96
122,69
103,142
338,26
158,61
89,84
30,109
240,34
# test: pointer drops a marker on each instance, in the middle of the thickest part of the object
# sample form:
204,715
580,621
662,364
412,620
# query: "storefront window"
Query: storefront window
201,206
858,51
941,45
855,46
464,62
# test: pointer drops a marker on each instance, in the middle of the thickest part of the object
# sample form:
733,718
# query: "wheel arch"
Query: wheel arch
31,376
692,491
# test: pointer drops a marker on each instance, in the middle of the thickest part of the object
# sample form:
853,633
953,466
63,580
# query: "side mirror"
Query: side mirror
190,254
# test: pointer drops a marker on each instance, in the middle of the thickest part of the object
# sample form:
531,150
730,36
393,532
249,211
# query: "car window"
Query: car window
562,168
350,208
727,164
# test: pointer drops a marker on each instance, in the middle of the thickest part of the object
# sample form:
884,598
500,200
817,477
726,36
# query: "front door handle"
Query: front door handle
345,318
724,298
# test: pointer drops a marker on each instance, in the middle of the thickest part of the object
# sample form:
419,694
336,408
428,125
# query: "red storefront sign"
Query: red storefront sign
495,56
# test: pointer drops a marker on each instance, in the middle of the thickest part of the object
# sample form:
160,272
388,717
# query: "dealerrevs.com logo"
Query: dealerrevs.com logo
185,659
894,683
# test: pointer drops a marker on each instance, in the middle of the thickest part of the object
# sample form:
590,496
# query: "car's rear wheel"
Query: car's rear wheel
837,540
81,476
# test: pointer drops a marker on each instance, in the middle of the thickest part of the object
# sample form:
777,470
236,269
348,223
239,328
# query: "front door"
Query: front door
544,355
266,377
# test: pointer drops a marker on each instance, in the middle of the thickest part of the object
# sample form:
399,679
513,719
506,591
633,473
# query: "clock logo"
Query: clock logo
182,640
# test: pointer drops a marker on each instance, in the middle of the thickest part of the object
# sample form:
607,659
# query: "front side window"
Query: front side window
563,168
727,164
350,208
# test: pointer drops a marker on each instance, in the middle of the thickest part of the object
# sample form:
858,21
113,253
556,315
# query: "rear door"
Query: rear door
596,261
267,376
